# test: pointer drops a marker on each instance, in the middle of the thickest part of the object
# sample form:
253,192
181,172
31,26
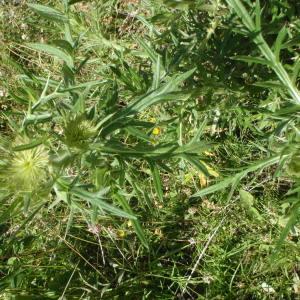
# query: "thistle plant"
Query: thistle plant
149,149
95,135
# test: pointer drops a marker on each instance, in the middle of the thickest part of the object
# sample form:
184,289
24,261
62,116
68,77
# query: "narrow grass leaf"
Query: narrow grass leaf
250,59
278,43
136,225
157,181
97,200
28,146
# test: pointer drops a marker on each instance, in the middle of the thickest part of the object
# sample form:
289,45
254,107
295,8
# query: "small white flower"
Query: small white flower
267,288
24,26
3,93
192,241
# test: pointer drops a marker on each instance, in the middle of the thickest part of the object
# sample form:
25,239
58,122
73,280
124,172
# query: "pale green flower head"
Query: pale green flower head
77,131
24,171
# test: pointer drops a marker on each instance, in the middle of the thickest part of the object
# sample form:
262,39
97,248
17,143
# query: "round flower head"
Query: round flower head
77,131
156,131
25,171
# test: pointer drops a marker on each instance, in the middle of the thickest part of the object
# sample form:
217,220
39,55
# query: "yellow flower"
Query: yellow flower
121,233
156,131
207,153
202,180
210,170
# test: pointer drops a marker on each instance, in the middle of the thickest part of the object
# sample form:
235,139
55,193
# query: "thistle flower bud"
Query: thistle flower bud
77,131
26,170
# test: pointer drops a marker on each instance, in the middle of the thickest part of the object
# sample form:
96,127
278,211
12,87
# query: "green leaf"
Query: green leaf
168,92
157,70
242,13
48,12
65,45
152,54
31,145
138,133
53,51
258,15
296,69
214,188
250,59
136,225
157,181
36,119
270,84
234,179
10,211
194,160
97,200
292,221
278,43
199,132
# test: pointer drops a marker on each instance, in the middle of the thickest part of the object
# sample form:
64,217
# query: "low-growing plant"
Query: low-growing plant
150,150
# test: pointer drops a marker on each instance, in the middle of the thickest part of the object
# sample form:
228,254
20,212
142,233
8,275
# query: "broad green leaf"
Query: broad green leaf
192,148
199,132
146,150
149,25
157,70
53,51
45,99
83,85
48,12
65,45
241,11
266,51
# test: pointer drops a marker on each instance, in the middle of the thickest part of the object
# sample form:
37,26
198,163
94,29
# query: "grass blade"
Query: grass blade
136,225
